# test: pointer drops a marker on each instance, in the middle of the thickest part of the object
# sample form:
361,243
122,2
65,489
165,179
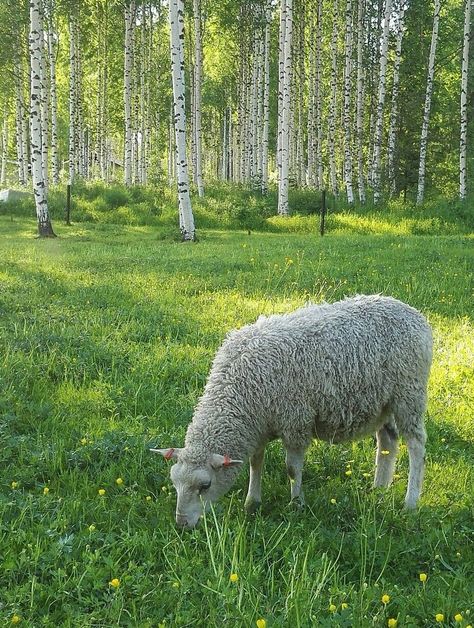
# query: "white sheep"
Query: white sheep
334,372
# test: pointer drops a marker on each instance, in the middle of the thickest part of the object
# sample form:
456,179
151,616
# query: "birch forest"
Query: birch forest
367,99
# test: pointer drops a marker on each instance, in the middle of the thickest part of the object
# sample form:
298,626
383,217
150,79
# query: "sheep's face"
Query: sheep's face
197,485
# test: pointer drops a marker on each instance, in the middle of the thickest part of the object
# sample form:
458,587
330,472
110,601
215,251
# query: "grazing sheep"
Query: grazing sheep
334,372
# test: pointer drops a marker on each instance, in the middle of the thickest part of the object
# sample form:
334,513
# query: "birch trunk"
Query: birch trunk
266,97
127,90
360,101
347,104
283,183
377,152
427,107
36,51
44,110
21,126
333,104
281,65
318,97
51,38
3,173
197,94
464,75
72,99
392,127
176,19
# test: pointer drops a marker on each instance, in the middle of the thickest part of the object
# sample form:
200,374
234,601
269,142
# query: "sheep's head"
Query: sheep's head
198,484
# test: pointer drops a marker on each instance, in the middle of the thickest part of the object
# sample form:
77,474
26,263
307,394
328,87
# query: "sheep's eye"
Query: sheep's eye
204,487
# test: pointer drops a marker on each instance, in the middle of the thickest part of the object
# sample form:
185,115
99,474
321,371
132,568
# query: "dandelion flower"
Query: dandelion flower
101,491
333,501
392,622
14,485
458,617
344,605
119,481
233,577
366,475
439,617
16,619
396,476
261,623
332,608
115,583
385,598
348,472
385,452
423,577
45,490
91,527
148,498
83,441
176,585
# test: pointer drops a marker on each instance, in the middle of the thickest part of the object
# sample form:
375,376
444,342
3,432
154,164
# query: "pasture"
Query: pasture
106,338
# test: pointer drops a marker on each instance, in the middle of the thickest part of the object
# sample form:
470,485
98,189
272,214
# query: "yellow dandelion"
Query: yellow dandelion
333,501
101,491
385,452
175,585
385,598
261,623
45,490
332,608
148,498
396,476
83,441
119,481
439,617
233,577
348,472
14,485
392,622
458,617
164,489
115,583
423,577
366,475
16,619
344,605
91,527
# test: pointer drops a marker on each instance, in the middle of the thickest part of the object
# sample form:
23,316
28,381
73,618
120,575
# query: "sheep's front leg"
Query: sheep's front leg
254,495
387,448
294,467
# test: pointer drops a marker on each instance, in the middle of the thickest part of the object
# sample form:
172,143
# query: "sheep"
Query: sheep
332,372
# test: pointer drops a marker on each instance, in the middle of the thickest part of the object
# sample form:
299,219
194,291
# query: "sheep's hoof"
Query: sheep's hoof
298,502
252,505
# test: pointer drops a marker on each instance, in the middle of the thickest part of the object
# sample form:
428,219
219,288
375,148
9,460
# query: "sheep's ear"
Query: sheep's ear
168,454
218,462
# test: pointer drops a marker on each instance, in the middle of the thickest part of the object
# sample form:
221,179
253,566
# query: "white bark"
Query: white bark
285,88
392,128
21,126
127,89
281,65
266,97
333,104
318,97
53,96
44,101
377,151
427,107
3,173
464,75
347,104
72,99
176,19
197,94
36,51
360,101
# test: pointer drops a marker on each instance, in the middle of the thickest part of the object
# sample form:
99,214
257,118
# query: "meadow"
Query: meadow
107,334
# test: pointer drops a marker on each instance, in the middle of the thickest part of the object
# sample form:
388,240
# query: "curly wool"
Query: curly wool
333,372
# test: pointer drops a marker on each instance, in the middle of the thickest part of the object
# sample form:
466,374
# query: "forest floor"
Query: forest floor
106,337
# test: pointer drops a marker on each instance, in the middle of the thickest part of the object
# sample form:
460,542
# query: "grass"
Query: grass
107,335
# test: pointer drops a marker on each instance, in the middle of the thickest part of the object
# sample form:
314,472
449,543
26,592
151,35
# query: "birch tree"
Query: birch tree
464,75
197,94
176,21
127,89
51,45
360,100
266,97
20,119
347,103
285,90
3,172
333,103
36,45
427,107
378,133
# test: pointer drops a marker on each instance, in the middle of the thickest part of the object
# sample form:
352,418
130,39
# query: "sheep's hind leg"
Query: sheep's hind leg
254,495
416,455
294,467
387,449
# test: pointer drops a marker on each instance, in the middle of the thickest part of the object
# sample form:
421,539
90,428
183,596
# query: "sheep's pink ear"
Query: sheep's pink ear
168,454
218,461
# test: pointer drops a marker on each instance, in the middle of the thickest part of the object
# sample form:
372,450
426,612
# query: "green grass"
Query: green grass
107,335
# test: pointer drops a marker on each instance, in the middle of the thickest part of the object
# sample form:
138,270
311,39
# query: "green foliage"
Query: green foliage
106,340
